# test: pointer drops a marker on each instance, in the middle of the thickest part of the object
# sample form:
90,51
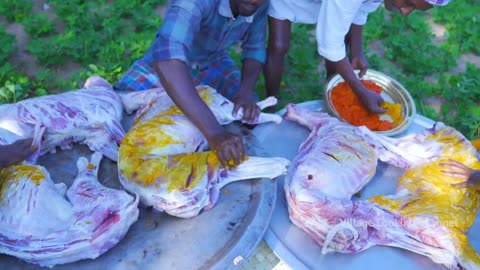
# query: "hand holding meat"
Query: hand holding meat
245,101
468,176
229,149
16,152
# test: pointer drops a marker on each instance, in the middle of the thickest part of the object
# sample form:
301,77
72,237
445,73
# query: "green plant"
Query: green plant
38,25
16,10
8,44
105,37
13,91
462,21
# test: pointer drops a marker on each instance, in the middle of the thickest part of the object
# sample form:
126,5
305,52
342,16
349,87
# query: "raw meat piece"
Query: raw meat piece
43,223
162,157
425,215
90,116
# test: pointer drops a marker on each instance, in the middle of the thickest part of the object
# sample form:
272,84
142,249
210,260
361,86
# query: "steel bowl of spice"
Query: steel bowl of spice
342,102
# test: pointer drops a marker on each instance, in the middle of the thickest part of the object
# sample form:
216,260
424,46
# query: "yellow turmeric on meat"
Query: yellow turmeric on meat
476,144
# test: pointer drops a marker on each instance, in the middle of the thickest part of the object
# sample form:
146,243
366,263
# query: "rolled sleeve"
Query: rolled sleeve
253,45
366,8
334,21
177,32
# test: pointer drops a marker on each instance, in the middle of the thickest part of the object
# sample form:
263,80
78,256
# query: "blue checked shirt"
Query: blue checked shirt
200,31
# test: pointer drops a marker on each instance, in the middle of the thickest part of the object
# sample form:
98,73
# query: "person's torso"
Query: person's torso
218,33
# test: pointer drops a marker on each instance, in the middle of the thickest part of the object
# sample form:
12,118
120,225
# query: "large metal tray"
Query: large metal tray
296,248
216,239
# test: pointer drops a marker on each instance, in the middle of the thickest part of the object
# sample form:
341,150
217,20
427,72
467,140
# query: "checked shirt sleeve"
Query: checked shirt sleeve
176,34
253,45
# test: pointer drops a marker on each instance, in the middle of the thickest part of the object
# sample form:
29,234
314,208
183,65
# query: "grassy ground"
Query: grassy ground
53,46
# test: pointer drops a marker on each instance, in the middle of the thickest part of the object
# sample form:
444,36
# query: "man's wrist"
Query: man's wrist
214,131
475,176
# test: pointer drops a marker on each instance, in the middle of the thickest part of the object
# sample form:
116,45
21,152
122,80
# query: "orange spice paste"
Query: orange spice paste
350,108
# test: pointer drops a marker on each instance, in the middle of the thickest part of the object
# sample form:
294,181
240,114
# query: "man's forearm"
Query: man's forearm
250,71
355,39
175,78
344,68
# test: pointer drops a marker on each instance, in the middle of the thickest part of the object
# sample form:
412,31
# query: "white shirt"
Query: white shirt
332,17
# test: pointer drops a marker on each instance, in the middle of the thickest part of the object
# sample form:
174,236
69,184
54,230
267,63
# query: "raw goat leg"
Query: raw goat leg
252,168
262,117
40,225
97,81
104,212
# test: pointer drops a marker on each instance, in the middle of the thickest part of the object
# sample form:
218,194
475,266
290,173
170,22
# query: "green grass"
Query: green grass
106,37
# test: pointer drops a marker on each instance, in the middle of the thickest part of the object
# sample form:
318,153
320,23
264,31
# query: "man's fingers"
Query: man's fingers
363,70
452,164
234,157
378,110
256,114
221,157
236,107
380,101
460,185
241,150
452,173
23,143
247,114
466,184
27,141
25,146
251,114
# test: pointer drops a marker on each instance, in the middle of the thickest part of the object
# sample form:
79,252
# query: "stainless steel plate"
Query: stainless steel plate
297,249
393,92
220,238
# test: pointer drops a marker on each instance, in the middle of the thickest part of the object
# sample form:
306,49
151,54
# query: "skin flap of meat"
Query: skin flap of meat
426,214
90,116
43,223
162,157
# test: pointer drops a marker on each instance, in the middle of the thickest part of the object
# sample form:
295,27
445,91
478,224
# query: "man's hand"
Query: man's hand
228,148
16,152
244,100
468,176
359,62
371,101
